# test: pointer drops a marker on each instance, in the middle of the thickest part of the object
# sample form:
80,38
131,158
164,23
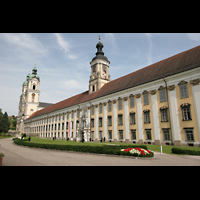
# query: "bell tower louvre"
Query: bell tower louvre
99,69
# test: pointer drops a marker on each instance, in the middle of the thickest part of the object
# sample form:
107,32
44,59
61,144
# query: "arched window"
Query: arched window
33,87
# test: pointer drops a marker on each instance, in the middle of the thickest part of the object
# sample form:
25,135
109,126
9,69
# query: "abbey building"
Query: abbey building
158,104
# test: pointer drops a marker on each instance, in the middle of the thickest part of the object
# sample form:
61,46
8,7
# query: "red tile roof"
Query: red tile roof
178,63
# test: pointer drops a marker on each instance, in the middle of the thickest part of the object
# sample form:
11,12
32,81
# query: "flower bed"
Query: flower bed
139,151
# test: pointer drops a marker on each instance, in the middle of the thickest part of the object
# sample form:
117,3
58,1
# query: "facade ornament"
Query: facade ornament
125,98
161,88
195,81
163,108
152,92
114,101
138,95
182,82
171,87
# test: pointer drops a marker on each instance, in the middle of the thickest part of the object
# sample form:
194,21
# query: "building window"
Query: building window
33,87
119,104
186,111
100,108
62,126
92,122
110,134
189,134
186,114
132,101
92,110
109,120
100,121
67,125
92,135
146,116
100,135
120,119
72,114
109,106
132,118
164,116
162,95
146,99
166,135
78,113
121,134
72,125
183,91
93,88
133,134
148,134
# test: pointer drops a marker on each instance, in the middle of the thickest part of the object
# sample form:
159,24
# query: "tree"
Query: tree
5,123
1,116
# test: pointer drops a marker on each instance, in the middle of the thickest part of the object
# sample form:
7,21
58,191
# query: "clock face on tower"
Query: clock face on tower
94,74
104,74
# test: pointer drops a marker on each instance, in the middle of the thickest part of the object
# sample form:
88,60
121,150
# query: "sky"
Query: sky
63,60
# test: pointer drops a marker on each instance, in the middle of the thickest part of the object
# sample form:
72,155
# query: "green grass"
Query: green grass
165,149
89,147
62,142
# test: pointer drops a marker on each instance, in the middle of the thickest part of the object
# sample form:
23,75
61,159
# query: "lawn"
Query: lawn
165,149
62,142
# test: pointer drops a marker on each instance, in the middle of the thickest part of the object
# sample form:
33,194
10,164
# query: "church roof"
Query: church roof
178,63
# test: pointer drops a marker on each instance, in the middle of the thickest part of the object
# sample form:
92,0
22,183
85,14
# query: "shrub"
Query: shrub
184,151
105,149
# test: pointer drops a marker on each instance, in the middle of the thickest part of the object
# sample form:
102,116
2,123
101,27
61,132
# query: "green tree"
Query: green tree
1,116
5,123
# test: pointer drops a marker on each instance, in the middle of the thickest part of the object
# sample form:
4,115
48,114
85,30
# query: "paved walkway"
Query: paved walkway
24,156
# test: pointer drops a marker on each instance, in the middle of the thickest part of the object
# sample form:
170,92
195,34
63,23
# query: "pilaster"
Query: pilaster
139,118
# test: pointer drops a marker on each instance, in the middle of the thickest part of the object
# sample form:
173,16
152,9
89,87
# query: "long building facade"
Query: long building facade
158,104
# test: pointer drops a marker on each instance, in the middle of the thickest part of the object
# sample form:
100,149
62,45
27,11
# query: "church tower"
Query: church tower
29,99
32,93
99,70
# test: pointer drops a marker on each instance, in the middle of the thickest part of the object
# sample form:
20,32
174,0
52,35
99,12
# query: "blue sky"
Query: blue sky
63,59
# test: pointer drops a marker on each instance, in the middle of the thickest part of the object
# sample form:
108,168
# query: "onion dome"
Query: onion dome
100,53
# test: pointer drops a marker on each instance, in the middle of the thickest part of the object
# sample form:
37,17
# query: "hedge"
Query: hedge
185,151
104,149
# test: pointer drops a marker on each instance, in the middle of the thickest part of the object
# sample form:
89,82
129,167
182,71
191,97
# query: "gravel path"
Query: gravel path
24,156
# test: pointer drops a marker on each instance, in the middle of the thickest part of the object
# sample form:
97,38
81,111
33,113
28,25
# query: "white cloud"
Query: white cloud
24,41
110,37
73,84
64,44
194,36
149,57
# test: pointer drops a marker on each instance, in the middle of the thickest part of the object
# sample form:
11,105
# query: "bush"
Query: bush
24,135
105,149
185,151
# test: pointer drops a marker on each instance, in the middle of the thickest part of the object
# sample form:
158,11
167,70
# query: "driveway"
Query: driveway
25,156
